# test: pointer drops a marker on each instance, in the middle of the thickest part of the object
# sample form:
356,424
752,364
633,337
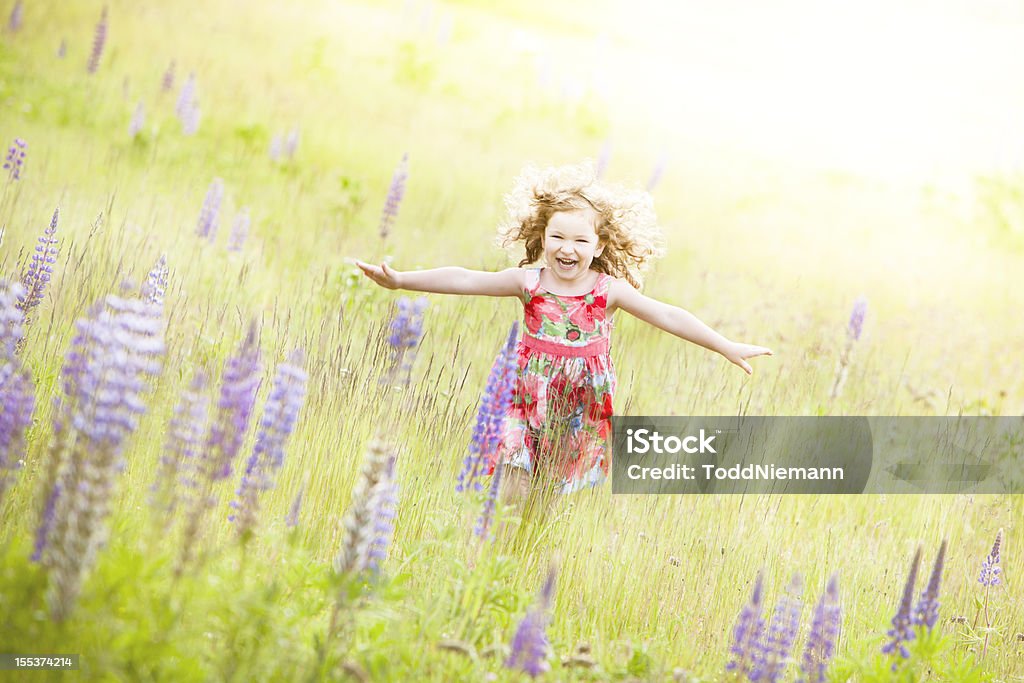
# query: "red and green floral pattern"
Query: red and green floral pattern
560,419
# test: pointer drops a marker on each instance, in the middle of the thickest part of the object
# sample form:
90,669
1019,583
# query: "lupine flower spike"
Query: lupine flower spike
167,82
238,394
15,159
926,612
406,331
187,108
209,215
853,331
116,349
40,270
990,569
280,414
990,576
62,50
369,521
138,121
530,644
228,428
394,199
98,42
239,231
821,642
155,286
746,635
187,94
781,635
291,144
179,464
490,418
14,21
17,395
902,630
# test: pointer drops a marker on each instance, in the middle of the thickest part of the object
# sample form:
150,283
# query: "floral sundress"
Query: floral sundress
559,423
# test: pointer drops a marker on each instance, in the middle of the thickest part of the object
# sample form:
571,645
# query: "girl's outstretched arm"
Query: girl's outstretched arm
448,280
681,323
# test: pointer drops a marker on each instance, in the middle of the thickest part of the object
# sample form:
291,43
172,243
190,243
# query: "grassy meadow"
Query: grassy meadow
773,229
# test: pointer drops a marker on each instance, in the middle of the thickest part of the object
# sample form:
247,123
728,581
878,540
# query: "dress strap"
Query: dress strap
532,282
604,281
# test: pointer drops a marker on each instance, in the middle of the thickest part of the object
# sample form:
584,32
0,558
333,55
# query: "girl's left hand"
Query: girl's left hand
738,353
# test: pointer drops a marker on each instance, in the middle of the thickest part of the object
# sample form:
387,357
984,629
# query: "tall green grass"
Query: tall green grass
766,251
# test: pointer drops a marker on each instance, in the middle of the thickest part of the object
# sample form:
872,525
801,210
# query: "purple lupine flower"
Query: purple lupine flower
238,390
116,349
239,385
15,159
190,124
821,642
180,461
280,414
602,160
155,286
167,82
291,143
747,633
17,395
45,523
14,21
17,403
369,521
490,417
98,42
11,318
856,324
990,569
209,215
926,613
62,50
902,630
407,327
483,523
39,271
138,121
659,170
239,231
394,199
275,148
530,644
186,97
384,504
774,651
406,330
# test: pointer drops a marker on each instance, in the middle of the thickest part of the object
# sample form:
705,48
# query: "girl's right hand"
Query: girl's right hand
383,275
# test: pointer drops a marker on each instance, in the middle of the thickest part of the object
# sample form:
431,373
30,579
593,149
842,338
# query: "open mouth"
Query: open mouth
566,263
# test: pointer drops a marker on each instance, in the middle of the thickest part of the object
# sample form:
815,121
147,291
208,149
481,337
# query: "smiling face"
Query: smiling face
571,243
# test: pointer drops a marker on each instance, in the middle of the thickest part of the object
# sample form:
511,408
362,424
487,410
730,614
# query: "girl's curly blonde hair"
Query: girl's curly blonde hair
626,224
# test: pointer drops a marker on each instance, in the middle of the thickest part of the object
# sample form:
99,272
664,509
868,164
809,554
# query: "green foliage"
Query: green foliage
253,136
933,657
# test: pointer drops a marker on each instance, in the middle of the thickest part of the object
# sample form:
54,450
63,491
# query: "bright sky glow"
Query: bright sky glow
889,89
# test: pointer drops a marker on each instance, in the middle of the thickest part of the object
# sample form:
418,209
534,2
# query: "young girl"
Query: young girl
591,240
